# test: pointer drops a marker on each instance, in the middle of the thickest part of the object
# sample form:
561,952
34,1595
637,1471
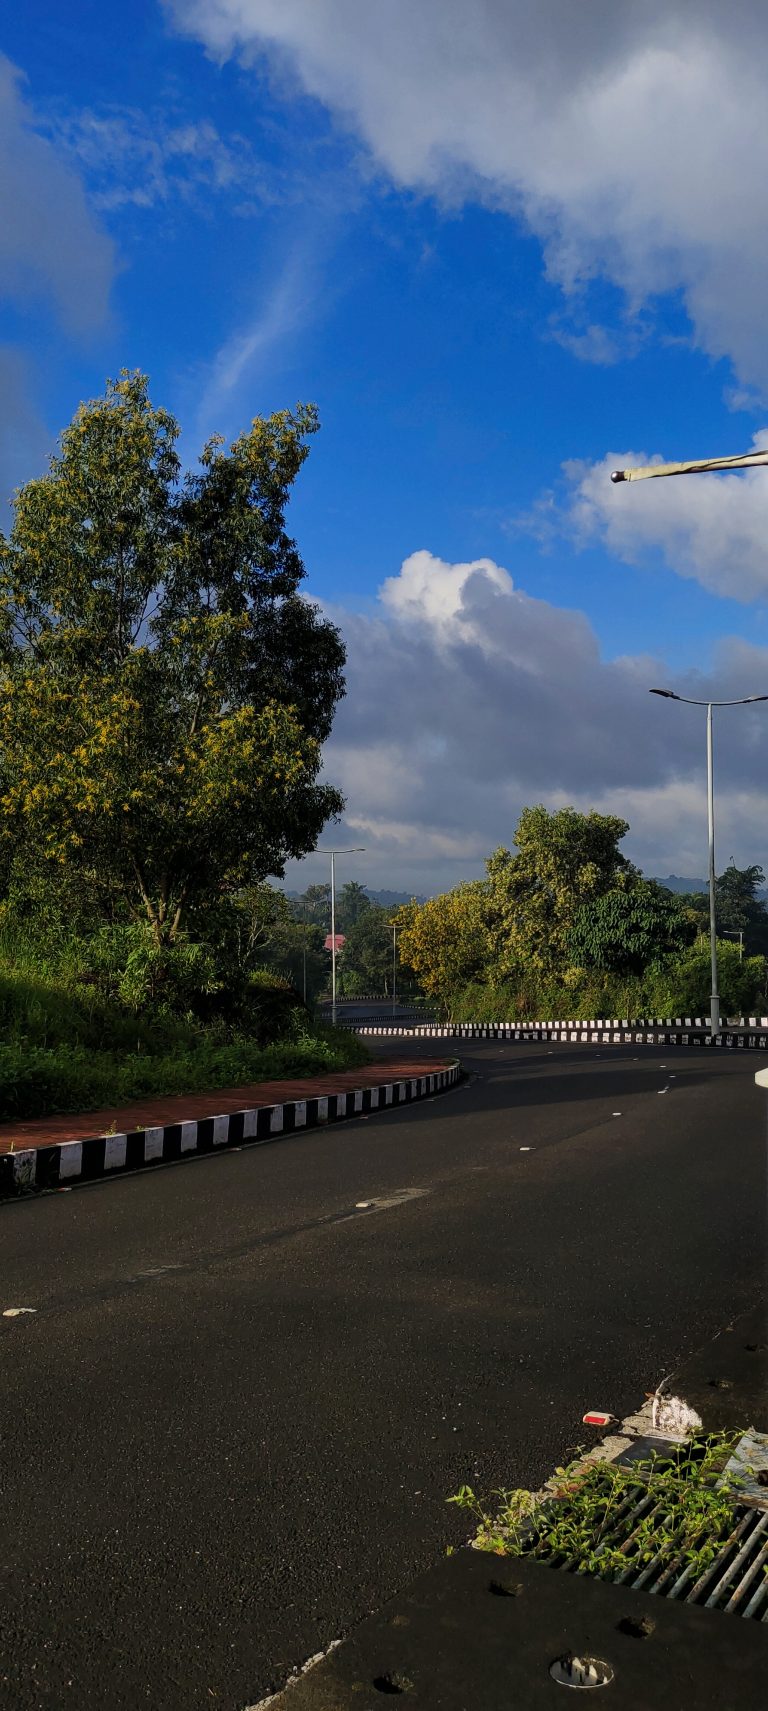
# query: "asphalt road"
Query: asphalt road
230,1427
380,1009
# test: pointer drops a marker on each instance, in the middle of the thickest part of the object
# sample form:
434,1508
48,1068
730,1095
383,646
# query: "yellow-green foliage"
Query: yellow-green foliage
164,689
446,941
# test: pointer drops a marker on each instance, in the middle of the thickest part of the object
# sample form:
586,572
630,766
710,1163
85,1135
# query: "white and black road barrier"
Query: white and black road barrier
682,1031
68,1162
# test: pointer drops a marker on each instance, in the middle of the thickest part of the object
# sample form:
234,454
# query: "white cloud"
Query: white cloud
595,344
630,138
713,528
50,245
467,699
432,591
743,398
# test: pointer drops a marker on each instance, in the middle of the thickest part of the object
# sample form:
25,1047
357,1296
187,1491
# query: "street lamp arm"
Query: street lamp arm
742,701
698,466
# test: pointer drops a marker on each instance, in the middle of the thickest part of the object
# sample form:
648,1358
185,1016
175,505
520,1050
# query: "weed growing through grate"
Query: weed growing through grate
612,1520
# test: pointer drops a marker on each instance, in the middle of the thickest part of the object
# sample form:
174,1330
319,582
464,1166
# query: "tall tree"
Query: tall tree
366,964
314,905
164,687
563,860
738,909
352,902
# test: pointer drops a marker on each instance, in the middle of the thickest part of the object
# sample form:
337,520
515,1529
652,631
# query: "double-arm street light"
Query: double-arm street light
358,850
702,466
744,701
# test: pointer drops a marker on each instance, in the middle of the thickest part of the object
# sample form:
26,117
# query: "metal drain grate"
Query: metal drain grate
735,1580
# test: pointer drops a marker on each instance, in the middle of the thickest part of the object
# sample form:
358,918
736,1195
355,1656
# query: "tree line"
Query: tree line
294,931
565,925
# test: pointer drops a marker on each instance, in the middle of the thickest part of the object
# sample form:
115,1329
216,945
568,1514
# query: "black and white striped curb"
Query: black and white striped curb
681,1032
32,1169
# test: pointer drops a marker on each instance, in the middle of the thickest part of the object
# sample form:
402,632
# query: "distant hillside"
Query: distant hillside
673,882
391,899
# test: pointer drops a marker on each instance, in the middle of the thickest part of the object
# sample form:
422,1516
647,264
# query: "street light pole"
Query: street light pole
394,967
743,701
333,938
715,997
358,850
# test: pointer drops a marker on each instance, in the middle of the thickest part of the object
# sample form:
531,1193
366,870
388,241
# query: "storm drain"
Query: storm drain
735,1581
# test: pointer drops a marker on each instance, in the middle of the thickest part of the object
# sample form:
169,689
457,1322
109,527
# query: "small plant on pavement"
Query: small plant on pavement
674,1510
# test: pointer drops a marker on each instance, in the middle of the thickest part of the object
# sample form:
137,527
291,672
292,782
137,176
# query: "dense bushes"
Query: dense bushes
89,1022
678,988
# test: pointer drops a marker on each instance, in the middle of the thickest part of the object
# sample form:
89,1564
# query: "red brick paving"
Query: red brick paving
182,1107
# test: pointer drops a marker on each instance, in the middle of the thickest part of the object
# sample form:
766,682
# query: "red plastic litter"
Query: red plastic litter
596,1418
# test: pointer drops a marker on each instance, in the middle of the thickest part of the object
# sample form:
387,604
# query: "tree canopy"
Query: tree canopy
563,860
164,686
738,909
629,929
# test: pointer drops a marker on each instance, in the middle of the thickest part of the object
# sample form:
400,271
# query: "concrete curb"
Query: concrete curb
576,1033
34,1169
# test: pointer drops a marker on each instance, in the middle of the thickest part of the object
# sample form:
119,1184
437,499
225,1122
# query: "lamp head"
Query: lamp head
669,694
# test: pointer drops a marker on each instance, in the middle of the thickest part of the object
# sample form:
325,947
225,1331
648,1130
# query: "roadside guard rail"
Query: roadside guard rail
750,1032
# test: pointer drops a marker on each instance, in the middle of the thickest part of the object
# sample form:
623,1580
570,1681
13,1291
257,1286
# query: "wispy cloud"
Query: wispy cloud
141,159
744,398
243,357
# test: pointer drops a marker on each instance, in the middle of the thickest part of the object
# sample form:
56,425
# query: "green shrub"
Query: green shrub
44,1013
683,988
38,1081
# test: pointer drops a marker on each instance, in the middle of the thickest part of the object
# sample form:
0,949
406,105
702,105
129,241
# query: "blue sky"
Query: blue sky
453,227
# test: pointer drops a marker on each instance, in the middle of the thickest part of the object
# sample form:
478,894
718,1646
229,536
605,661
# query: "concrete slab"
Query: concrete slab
480,1633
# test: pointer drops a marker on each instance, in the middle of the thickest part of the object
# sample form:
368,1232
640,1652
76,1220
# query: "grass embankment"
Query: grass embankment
67,1049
